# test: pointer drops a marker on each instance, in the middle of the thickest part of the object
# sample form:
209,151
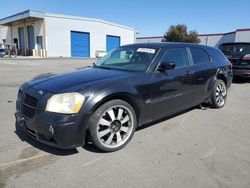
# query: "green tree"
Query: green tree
179,33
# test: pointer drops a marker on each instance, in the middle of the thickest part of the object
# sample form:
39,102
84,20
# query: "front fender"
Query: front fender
122,91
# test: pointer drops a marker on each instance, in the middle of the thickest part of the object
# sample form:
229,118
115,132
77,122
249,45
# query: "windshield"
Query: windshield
235,49
128,58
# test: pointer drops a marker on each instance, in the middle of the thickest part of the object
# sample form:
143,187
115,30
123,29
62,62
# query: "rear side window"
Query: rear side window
199,56
176,55
216,54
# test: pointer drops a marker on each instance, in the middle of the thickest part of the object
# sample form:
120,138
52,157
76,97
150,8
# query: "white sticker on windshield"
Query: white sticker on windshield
146,50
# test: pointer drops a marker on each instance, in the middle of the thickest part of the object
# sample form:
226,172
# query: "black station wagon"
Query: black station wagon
130,86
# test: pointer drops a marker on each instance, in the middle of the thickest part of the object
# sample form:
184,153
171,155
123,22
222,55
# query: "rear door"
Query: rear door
204,71
172,90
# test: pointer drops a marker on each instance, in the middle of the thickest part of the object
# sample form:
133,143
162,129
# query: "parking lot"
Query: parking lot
196,148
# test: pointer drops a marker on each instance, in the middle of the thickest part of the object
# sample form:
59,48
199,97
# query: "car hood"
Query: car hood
74,81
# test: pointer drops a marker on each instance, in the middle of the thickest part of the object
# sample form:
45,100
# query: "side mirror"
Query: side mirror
168,65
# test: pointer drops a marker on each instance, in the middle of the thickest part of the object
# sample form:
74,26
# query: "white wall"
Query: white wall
228,38
58,34
148,39
5,34
210,40
242,36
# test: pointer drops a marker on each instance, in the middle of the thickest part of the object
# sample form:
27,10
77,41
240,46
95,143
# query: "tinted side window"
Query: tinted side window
199,56
216,54
176,55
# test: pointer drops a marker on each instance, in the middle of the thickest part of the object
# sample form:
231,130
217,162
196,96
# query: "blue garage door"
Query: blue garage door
80,44
112,42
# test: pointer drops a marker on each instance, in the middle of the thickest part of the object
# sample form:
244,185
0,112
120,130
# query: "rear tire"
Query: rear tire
219,94
112,125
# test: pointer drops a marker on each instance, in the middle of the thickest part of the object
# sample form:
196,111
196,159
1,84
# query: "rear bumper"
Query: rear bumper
61,131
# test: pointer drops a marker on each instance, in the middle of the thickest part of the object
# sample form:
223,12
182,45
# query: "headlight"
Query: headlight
66,103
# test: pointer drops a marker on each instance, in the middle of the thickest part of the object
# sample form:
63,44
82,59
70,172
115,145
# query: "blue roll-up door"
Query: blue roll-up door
112,42
80,44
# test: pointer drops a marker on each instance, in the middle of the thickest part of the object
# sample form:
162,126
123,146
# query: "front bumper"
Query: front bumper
62,131
58,130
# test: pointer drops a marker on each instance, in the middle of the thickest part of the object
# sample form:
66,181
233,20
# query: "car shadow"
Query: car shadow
91,148
49,149
241,80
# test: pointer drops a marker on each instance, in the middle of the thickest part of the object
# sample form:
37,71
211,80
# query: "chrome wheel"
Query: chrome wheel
115,126
220,94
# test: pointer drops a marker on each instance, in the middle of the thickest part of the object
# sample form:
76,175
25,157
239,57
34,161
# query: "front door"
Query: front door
172,90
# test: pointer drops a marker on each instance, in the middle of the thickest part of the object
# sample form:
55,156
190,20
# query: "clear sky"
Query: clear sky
150,17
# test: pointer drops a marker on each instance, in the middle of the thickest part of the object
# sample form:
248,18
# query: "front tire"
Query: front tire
112,125
219,94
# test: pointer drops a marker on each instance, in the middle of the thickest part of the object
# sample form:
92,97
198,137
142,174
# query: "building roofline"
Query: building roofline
246,29
203,35
87,19
40,14
22,15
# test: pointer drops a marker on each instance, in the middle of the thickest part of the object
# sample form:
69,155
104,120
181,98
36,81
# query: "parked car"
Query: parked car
130,86
239,55
2,52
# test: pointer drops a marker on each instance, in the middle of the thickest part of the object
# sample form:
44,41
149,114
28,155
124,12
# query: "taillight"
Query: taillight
246,57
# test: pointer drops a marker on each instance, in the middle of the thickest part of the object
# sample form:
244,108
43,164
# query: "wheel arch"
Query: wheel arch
222,76
127,97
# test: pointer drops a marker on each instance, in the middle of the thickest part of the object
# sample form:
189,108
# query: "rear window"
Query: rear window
1,50
216,54
199,56
235,49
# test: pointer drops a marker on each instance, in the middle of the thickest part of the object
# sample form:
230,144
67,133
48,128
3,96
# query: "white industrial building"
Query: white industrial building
55,35
240,35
